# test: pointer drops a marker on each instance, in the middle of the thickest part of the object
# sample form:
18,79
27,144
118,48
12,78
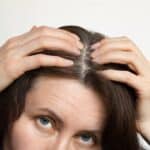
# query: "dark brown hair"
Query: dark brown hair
120,100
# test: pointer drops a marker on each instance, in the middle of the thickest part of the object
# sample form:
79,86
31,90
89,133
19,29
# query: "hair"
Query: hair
119,131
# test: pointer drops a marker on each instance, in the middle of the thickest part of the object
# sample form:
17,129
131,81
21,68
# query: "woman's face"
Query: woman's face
60,114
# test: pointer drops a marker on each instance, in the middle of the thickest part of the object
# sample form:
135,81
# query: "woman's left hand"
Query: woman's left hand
122,50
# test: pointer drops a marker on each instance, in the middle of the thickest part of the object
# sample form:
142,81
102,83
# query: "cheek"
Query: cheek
23,136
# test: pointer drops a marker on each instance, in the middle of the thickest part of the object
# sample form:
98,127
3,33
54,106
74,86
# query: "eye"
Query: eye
46,125
87,139
45,122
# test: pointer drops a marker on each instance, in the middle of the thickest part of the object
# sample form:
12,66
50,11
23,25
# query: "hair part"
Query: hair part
120,100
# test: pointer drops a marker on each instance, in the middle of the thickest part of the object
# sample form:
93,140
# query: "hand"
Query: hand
14,53
122,50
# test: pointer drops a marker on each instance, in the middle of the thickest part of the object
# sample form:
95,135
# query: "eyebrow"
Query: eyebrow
60,121
52,113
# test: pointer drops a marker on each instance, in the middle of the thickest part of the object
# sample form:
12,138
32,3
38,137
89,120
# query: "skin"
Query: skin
124,51
14,53
81,117
15,61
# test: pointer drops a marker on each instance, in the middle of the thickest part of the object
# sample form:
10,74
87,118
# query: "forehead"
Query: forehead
66,97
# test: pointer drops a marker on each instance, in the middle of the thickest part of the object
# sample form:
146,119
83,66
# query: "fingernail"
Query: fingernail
93,54
96,45
77,51
77,37
69,62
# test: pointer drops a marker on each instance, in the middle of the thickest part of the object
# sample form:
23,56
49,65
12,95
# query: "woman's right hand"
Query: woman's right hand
14,53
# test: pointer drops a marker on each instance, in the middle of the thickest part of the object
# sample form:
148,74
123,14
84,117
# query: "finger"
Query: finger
68,33
122,57
41,60
53,32
109,39
47,43
17,40
36,32
122,76
98,43
112,44
33,28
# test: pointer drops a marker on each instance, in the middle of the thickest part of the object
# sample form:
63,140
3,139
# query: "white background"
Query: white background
112,17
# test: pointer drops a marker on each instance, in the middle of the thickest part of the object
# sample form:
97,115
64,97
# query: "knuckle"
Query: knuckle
10,41
42,27
44,30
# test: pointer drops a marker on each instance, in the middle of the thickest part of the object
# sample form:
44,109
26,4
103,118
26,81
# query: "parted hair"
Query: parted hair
119,132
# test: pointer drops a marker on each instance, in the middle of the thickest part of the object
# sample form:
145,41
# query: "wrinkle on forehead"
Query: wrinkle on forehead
69,98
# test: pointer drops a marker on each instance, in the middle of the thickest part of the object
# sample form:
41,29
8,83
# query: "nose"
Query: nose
62,144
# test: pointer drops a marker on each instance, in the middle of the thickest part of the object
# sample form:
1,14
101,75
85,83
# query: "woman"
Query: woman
49,102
